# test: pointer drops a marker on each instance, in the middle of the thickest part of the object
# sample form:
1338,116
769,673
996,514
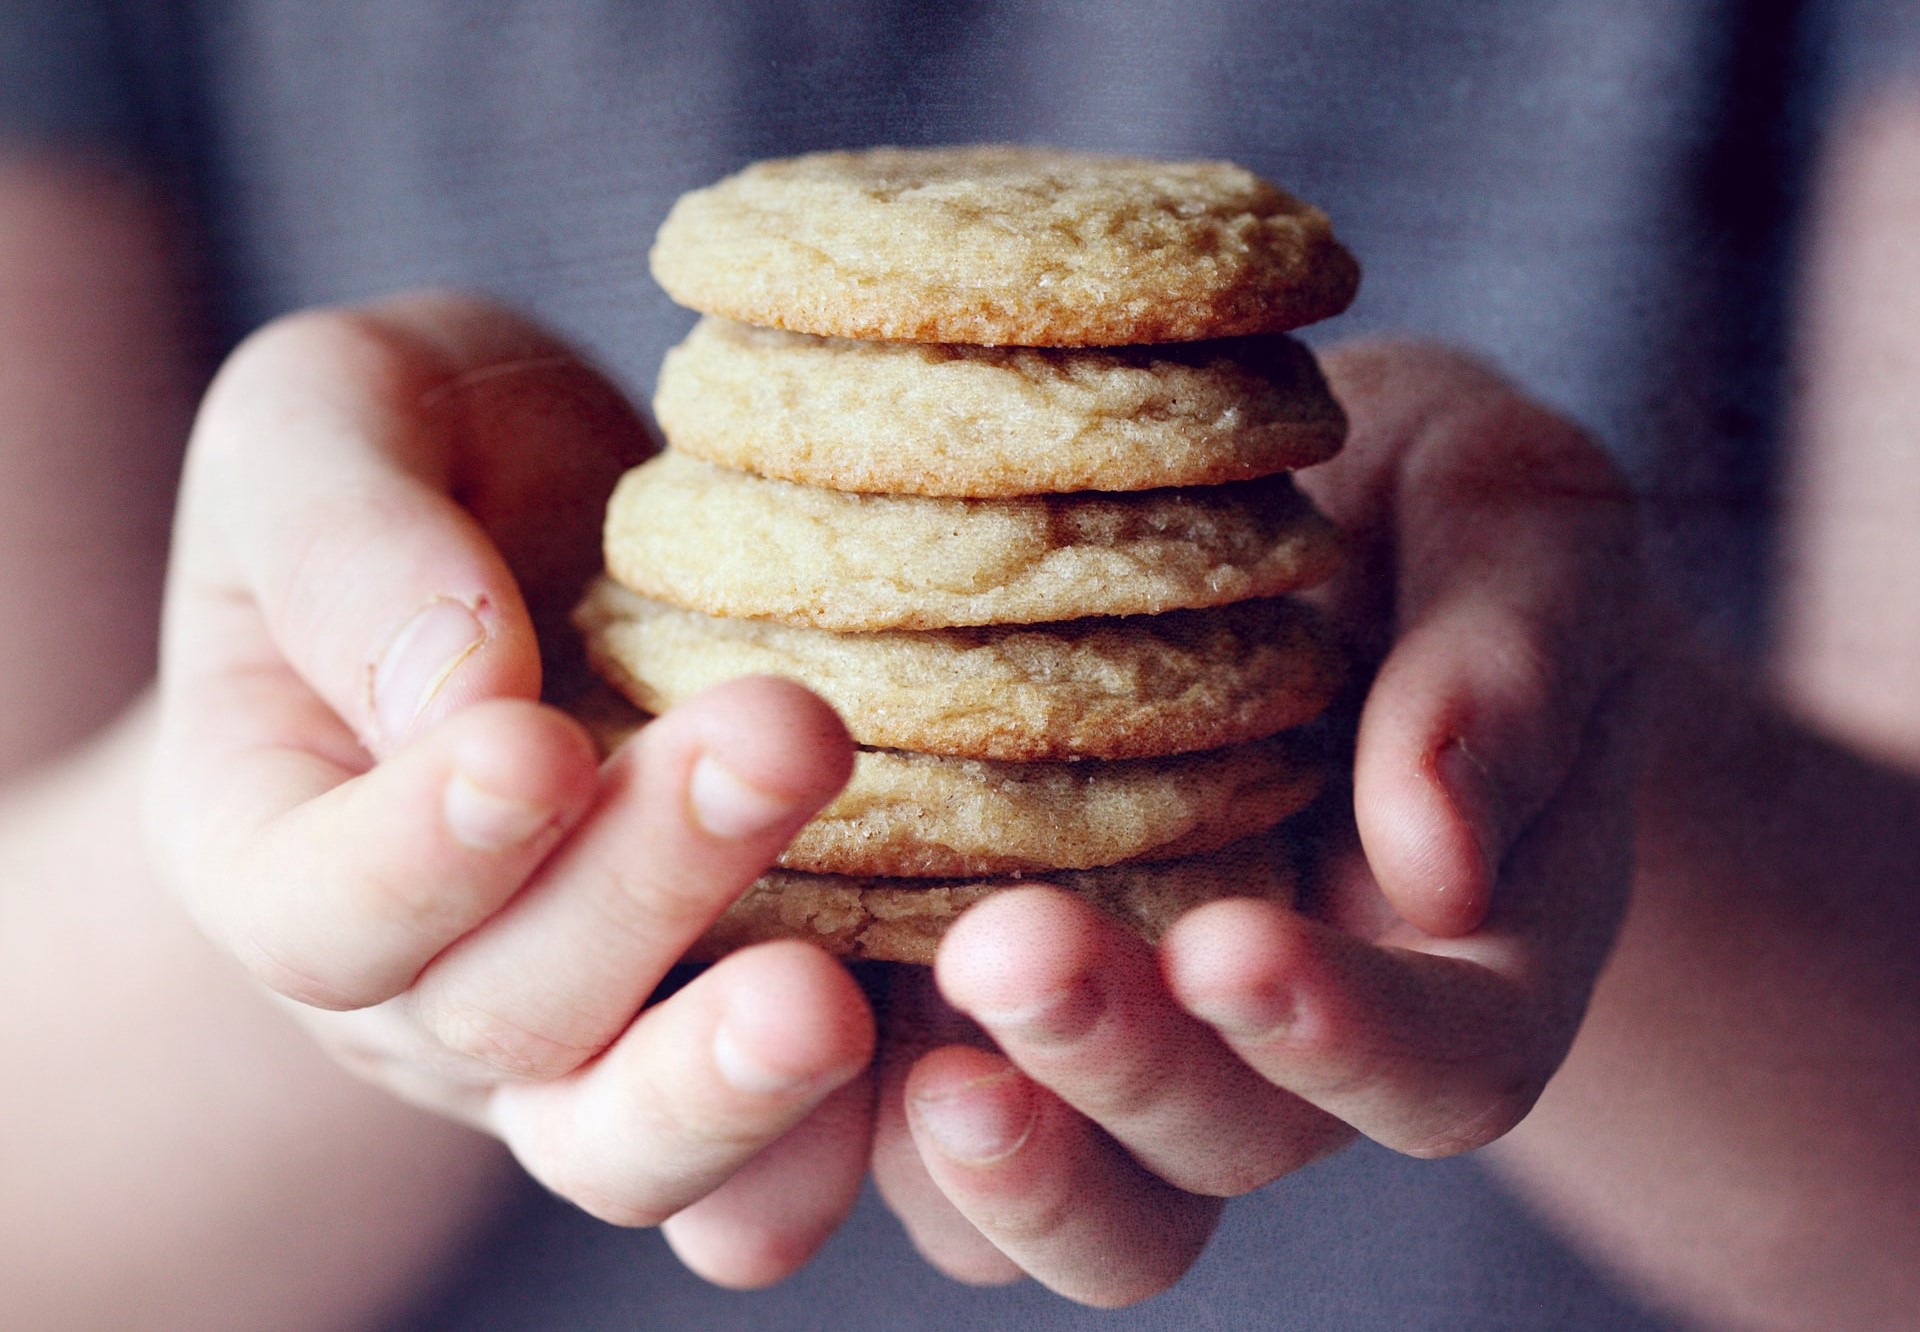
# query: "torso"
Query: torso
1523,178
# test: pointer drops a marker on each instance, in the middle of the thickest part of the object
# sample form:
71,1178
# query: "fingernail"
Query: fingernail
1059,1019
983,1121
483,821
744,1073
1263,1014
420,660
727,805
1470,789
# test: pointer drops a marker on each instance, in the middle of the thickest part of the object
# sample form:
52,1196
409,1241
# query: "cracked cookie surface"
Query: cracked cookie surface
926,816
1099,688
729,543
1003,245
920,816
945,419
893,920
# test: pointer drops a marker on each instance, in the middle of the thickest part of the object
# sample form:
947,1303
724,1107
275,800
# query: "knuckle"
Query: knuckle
1524,454
1349,1060
708,1125
1344,1083
303,353
355,955
500,1044
666,897
220,884
1035,1220
303,979
647,903
409,906
283,346
1130,1091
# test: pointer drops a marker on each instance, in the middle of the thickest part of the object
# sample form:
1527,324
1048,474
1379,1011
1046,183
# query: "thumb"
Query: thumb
328,518
1515,589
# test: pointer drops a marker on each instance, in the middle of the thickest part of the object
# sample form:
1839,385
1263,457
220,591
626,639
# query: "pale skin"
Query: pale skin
1756,1165
1710,1123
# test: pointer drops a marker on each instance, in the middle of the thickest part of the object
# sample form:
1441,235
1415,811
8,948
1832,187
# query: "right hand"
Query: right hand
357,793
1436,976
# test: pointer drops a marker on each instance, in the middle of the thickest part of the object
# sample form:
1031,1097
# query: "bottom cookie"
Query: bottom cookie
902,920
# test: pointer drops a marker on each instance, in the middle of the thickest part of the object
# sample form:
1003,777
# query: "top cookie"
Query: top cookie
1001,246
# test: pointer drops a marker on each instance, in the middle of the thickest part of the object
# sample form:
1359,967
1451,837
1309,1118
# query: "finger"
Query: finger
324,513
1516,558
336,890
1442,1045
764,1223
1078,1004
1428,1055
696,1088
541,437
1047,1188
690,813
916,1022
1389,389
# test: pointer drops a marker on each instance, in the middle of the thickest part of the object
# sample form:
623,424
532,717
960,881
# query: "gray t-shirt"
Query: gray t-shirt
1601,198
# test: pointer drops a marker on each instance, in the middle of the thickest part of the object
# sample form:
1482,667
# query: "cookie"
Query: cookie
1000,246
1100,688
906,815
942,419
924,816
892,920
730,543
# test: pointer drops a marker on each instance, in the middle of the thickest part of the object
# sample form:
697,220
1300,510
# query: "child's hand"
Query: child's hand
1437,979
358,795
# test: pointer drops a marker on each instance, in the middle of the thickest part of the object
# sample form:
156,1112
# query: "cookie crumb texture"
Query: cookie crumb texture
885,920
730,543
1101,688
987,422
1003,245
990,446
923,816
914,816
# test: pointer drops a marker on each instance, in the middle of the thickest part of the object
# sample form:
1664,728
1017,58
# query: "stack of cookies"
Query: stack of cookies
989,447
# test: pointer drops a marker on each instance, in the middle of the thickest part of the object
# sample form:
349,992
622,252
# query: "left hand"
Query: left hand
359,797
1434,981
